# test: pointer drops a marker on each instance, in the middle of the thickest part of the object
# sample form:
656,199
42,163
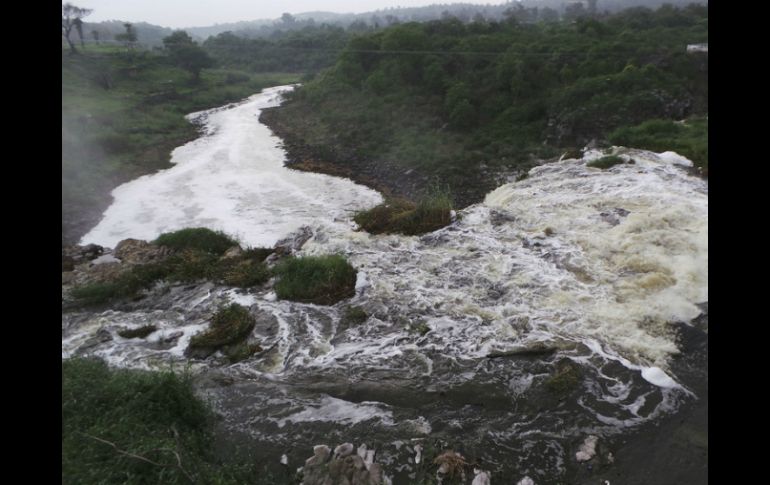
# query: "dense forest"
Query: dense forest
458,101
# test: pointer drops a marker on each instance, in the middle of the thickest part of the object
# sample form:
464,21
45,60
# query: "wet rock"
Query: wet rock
498,218
135,251
290,245
481,478
105,258
100,337
74,255
587,449
613,217
233,252
343,450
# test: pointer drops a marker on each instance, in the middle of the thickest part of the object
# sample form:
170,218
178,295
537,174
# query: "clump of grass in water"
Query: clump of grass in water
230,325
200,238
323,280
355,315
606,162
400,216
140,332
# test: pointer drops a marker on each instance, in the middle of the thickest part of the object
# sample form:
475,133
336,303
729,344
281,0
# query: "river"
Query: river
539,317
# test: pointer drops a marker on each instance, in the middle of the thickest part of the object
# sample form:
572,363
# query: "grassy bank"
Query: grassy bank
123,113
133,427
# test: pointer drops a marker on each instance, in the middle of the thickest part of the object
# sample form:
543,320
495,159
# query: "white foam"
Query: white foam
232,179
656,376
340,411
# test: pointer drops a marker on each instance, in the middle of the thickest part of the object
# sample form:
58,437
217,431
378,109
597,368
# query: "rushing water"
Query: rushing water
574,264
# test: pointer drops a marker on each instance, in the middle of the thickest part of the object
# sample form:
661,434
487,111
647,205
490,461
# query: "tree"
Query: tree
71,17
129,37
185,53
95,35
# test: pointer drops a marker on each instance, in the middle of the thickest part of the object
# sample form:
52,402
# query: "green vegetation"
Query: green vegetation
606,162
140,332
196,259
230,325
401,216
354,315
689,139
463,102
135,427
122,114
323,280
199,238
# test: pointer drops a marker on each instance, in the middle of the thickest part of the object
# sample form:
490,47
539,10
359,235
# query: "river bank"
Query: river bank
392,180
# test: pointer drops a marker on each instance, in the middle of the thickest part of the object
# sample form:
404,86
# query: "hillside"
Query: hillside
465,105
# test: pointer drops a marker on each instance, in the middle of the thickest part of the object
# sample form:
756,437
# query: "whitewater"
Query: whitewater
573,264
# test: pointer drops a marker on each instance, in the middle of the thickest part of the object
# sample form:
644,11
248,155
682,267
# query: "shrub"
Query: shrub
200,238
606,162
323,280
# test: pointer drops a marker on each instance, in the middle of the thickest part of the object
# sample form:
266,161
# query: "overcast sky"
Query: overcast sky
199,13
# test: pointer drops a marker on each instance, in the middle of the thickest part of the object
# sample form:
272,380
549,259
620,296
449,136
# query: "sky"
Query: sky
199,13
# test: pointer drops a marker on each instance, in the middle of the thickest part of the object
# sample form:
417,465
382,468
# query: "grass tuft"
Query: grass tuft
323,280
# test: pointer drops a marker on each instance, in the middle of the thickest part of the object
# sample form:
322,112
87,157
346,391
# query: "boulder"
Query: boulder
135,251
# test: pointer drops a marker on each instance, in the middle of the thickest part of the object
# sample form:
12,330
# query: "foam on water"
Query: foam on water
232,179
591,264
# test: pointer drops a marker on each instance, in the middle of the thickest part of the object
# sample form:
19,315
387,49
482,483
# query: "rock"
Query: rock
105,258
481,478
135,251
320,455
344,467
290,245
233,252
526,481
74,255
587,449
417,454
344,450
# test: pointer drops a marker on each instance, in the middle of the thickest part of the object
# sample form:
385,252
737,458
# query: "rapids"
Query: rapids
467,326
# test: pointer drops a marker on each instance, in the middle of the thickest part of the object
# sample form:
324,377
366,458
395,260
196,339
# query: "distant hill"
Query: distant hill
152,35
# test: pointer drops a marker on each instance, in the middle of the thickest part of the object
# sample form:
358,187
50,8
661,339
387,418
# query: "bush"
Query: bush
401,216
323,280
200,238
606,162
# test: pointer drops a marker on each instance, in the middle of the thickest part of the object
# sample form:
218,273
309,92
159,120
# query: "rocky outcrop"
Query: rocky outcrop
135,251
